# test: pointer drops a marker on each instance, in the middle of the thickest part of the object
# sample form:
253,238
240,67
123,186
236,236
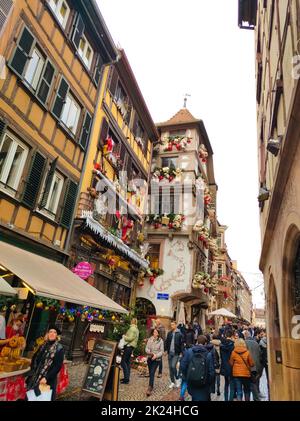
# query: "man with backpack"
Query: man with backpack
198,369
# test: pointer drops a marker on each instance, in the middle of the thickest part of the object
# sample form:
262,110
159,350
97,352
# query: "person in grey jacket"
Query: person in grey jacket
255,352
154,351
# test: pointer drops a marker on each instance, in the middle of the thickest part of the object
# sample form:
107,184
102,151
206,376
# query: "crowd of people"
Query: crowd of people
198,359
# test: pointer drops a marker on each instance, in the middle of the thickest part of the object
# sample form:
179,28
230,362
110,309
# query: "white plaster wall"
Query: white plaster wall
177,264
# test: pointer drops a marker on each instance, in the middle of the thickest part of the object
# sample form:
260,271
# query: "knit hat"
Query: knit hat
54,327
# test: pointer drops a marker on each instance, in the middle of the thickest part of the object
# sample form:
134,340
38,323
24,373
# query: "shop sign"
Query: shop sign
161,296
83,270
97,328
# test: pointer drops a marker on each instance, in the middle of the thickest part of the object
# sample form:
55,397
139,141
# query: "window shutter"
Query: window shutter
34,180
128,114
60,98
129,168
146,140
48,183
104,132
98,68
84,138
22,52
113,81
46,82
69,204
5,8
123,154
78,31
3,126
135,122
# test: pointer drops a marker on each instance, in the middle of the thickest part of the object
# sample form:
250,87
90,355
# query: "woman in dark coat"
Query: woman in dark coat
47,363
189,337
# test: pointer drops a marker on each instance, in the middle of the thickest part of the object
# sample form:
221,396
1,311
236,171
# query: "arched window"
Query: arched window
296,284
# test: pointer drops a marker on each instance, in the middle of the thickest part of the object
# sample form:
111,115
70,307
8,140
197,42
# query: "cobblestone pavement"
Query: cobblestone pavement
136,389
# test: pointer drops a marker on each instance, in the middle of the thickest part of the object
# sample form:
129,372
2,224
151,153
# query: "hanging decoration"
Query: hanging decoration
207,196
203,154
114,241
166,173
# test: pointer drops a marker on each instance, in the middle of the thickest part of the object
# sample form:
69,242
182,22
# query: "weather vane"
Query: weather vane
185,100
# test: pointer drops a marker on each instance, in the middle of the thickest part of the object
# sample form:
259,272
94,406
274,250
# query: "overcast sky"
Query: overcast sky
196,47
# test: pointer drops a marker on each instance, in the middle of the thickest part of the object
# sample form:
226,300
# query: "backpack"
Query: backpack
197,373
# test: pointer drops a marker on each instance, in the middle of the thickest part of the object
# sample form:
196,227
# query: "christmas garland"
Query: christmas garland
171,220
150,273
161,173
203,154
178,142
205,282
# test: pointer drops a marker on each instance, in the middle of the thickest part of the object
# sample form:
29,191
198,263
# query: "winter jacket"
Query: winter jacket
264,352
184,364
216,343
189,338
178,342
226,348
241,362
255,353
132,335
155,346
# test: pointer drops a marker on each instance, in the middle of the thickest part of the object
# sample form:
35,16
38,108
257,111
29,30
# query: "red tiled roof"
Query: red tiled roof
183,116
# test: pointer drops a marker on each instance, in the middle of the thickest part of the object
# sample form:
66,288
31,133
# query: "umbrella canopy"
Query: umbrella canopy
222,312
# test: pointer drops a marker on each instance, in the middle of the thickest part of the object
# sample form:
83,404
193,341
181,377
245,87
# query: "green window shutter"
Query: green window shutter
3,126
85,133
98,68
69,204
48,183
104,132
22,52
60,98
34,180
5,8
113,81
45,82
78,31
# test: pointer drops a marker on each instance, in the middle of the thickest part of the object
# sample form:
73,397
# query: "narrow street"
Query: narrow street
136,389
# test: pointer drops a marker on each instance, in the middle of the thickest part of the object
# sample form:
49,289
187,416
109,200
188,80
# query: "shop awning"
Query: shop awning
6,289
50,279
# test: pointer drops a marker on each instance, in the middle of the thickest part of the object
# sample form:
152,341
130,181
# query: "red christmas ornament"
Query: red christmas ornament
225,295
170,225
201,238
178,147
206,290
97,167
152,279
171,178
161,177
156,225
204,160
170,147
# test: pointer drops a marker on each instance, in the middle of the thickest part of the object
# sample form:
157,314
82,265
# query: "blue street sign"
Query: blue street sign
161,296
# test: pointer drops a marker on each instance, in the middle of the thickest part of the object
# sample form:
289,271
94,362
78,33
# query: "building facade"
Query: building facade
277,34
108,228
53,53
181,223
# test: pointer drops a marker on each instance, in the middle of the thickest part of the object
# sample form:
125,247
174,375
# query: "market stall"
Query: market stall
47,292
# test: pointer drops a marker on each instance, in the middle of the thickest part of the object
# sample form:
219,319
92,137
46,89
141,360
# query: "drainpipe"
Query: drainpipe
68,240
